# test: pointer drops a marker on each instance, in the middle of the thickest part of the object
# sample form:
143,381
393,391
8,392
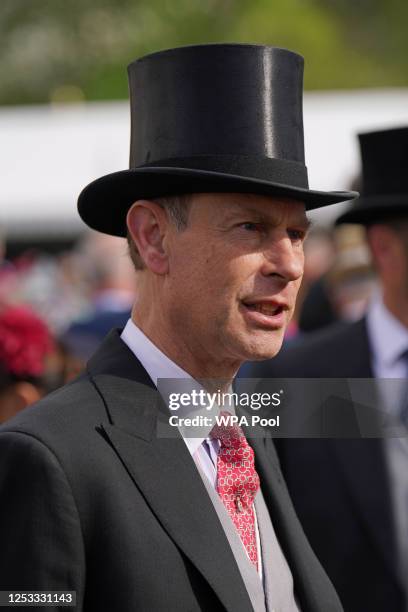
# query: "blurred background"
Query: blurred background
64,120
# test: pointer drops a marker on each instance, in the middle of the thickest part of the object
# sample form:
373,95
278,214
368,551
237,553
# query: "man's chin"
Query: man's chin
263,356
264,350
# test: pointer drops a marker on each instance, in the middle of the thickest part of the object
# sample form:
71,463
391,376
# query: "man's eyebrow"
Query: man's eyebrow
299,222
265,217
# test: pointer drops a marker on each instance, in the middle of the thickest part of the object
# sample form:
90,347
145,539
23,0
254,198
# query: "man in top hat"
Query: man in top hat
94,499
352,495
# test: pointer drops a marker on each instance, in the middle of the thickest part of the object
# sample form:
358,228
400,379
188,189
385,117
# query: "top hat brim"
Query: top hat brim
370,209
104,203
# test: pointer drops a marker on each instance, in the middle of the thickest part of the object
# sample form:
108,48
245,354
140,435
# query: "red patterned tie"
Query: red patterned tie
237,481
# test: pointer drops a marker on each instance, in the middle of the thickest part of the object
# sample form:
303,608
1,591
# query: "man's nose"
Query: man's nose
283,259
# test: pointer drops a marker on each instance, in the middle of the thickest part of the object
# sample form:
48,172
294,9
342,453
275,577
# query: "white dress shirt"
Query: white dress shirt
388,340
203,449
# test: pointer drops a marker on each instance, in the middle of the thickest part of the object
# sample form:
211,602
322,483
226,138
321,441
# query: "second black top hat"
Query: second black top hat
384,194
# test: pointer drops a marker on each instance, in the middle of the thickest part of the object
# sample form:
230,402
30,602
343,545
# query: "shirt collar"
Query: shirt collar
154,361
388,336
159,366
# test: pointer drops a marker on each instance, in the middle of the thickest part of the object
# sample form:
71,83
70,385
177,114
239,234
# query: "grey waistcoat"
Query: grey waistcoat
276,594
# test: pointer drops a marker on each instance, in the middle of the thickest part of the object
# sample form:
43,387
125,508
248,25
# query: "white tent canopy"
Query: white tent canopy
48,154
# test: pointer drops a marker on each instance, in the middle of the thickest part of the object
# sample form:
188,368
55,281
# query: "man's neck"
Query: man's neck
212,374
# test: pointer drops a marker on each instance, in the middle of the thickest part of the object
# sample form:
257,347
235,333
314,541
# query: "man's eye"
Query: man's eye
296,235
250,227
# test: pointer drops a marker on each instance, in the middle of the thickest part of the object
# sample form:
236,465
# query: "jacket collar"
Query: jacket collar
161,467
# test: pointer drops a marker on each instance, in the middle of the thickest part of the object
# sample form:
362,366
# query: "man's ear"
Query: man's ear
147,224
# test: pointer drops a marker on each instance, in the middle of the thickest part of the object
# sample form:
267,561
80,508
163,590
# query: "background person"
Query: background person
352,495
25,345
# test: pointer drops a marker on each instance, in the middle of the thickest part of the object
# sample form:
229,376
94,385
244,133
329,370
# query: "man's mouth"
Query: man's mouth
268,309
266,314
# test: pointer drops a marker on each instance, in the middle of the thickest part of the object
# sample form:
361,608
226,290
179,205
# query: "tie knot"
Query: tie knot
228,433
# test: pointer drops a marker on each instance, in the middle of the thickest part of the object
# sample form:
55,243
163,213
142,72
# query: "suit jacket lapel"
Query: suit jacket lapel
163,470
363,461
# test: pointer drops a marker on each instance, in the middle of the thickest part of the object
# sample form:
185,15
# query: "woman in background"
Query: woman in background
25,347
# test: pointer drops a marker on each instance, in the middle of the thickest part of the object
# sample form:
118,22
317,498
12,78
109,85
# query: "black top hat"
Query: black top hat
209,118
384,157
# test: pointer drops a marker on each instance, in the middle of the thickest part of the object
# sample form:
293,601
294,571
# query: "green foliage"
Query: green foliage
79,49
